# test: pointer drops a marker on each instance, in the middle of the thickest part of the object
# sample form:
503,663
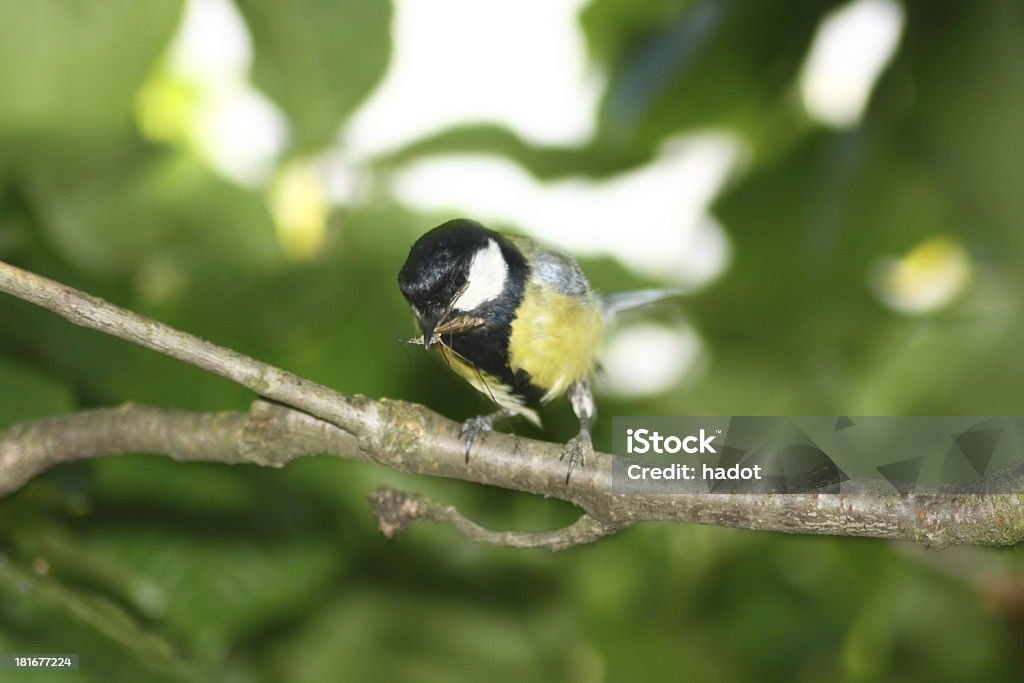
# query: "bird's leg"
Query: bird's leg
580,446
472,427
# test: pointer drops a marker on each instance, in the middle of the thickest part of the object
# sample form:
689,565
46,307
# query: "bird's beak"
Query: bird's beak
427,324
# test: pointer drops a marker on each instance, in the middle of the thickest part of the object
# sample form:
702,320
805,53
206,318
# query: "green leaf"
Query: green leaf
318,58
544,162
69,68
684,65
159,215
613,26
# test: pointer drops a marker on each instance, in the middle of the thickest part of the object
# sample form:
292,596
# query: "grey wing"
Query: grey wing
560,272
612,304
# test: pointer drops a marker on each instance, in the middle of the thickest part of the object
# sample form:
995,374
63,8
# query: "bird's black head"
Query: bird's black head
458,266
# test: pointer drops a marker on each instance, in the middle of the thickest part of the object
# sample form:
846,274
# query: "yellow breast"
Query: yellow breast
555,338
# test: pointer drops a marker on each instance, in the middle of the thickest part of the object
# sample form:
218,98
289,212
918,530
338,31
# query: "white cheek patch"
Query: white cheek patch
486,280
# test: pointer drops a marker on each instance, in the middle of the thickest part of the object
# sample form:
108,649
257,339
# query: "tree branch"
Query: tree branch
414,439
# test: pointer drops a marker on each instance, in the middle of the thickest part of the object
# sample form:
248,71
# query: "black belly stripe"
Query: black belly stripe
486,349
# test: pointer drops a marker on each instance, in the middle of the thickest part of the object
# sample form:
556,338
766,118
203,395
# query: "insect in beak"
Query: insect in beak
452,327
433,327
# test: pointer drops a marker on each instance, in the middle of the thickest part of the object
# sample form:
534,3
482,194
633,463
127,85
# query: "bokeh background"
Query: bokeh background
839,185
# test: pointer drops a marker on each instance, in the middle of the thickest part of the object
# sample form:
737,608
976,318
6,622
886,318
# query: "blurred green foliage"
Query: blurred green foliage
318,58
158,571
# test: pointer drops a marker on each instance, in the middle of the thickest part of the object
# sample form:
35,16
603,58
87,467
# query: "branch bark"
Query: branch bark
307,418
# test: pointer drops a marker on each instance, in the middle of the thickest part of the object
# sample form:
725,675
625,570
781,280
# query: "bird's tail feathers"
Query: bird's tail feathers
616,302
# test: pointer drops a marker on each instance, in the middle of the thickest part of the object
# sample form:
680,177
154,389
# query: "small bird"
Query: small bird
518,321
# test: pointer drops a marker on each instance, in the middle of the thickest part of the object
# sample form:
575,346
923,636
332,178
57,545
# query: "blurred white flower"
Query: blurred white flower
647,358
852,46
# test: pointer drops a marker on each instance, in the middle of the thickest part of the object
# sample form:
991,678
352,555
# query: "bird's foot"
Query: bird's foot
475,426
577,450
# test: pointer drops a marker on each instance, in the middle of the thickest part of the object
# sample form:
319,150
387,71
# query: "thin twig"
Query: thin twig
91,312
395,510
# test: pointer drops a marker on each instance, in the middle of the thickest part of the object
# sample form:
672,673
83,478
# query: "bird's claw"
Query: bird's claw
577,449
473,427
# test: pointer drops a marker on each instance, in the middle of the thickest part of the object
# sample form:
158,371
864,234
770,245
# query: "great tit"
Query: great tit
518,321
